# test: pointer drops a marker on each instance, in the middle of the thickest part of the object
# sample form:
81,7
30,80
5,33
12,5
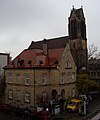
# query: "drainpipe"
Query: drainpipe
34,86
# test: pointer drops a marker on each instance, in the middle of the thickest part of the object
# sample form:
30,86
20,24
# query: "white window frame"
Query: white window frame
10,94
62,78
44,95
68,64
10,78
26,80
44,79
73,76
27,97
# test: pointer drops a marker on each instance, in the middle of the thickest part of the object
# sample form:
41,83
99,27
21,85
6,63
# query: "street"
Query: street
9,116
91,109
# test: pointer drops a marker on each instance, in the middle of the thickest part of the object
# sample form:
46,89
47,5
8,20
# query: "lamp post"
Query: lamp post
84,104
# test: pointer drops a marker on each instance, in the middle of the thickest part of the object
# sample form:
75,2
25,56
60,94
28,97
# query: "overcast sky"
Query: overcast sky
24,21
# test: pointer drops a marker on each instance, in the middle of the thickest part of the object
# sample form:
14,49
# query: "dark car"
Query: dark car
5,108
42,115
23,112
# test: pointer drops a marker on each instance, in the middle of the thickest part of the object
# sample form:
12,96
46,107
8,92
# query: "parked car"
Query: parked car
23,112
42,115
73,105
5,108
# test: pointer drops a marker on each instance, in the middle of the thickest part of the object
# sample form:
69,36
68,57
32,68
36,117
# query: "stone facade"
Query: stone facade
31,86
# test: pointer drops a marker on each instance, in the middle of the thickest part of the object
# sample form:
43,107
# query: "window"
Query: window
68,77
68,64
18,95
10,94
73,76
93,74
62,79
26,80
44,77
10,78
73,93
17,78
27,97
44,95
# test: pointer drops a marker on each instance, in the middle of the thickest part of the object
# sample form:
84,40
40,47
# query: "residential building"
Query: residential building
35,78
94,72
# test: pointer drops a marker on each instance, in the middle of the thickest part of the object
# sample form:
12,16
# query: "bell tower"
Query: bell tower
77,37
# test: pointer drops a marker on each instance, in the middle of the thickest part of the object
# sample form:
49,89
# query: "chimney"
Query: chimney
45,47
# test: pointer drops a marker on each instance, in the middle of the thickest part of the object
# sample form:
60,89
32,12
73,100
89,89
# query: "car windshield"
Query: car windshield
73,103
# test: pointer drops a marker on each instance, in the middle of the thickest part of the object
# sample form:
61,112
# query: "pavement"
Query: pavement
92,109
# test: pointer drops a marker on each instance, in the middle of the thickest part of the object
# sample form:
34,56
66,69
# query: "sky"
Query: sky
24,21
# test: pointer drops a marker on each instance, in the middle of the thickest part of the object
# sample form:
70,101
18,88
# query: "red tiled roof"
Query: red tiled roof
34,55
30,58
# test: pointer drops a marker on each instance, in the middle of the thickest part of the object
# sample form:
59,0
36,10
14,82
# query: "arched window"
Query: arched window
62,78
44,96
54,95
63,93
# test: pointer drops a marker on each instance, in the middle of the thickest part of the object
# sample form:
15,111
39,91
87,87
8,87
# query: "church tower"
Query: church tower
77,37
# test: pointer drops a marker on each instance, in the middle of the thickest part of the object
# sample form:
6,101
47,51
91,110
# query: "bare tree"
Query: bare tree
93,53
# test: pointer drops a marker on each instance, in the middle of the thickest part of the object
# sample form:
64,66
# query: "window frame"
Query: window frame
10,79
27,97
62,78
68,64
10,94
26,80
44,79
73,76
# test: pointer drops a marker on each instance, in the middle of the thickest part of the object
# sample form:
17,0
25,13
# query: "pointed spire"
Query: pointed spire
81,6
73,6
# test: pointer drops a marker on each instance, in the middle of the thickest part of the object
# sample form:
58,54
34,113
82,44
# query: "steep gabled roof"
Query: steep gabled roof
53,43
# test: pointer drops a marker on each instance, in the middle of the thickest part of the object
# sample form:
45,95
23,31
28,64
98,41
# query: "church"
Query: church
47,69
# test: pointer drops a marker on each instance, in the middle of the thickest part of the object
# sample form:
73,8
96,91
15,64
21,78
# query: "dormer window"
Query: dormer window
20,62
29,62
40,62
56,62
